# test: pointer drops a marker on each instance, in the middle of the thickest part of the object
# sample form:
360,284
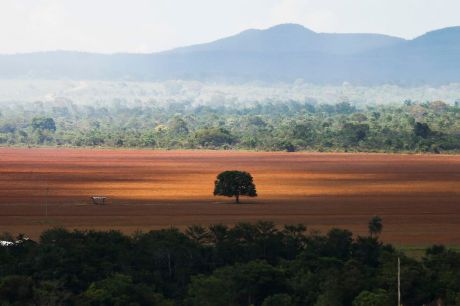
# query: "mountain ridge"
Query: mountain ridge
280,53
285,33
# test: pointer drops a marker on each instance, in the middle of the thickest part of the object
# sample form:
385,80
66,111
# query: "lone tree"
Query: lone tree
375,226
235,183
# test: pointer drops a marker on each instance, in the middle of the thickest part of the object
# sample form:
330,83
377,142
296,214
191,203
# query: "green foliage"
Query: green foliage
280,299
16,290
280,126
377,298
214,137
148,140
353,133
338,243
178,126
198,233
235,183
422,129
209,291
240,284
43,124
119,290
245,264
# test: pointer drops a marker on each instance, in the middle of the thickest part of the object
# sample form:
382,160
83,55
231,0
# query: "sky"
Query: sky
140,26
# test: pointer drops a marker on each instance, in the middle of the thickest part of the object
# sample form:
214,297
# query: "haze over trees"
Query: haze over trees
101,93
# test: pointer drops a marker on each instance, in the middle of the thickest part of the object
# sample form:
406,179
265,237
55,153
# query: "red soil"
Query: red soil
418,196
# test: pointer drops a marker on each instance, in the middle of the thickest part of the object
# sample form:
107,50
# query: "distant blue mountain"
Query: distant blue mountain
293,38
282,53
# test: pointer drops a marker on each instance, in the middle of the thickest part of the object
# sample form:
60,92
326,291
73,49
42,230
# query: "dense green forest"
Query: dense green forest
284,126
247,264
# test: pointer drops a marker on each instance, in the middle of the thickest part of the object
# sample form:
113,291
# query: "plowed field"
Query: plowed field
418,196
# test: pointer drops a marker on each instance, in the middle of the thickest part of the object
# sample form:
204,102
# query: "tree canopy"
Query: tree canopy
269,126
43,123
235,184
256,264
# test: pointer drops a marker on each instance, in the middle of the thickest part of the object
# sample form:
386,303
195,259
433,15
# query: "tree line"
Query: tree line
245,264
284,126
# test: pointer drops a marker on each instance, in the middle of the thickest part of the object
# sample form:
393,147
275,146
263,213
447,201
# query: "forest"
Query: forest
245,264
269,126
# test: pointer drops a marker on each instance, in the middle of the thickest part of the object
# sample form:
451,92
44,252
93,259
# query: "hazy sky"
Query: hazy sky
154,25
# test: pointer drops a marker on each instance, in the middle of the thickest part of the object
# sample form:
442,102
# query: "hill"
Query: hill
281,53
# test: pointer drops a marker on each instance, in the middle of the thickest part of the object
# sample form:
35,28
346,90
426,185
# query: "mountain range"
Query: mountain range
282,53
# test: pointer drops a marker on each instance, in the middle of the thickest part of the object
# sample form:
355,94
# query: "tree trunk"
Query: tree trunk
237,199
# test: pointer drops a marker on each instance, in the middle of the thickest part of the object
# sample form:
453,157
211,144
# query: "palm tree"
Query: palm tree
375,226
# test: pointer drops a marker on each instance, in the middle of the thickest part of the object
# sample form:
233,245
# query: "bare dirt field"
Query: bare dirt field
418,196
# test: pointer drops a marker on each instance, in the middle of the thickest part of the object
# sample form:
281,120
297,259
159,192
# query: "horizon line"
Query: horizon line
211,41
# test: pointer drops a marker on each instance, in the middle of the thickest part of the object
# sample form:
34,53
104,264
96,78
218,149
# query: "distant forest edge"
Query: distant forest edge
281,53
284,126
256,264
